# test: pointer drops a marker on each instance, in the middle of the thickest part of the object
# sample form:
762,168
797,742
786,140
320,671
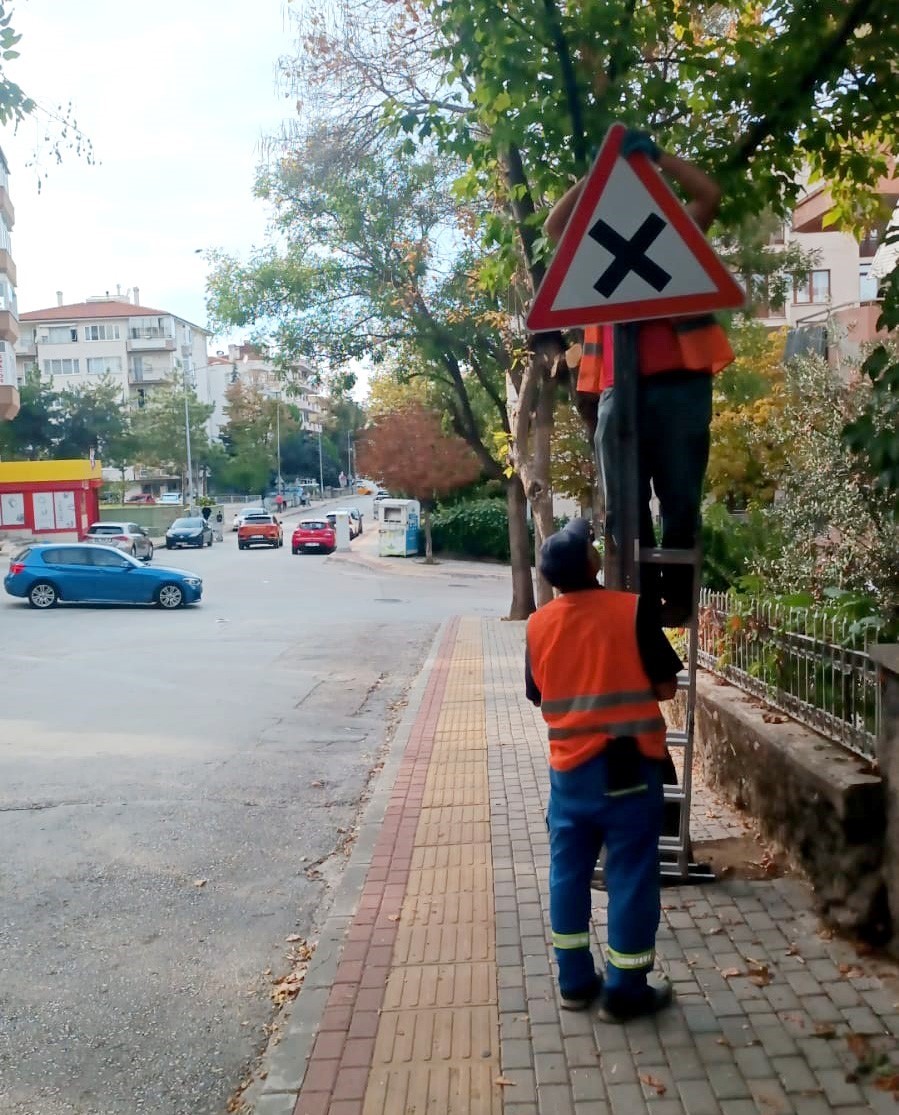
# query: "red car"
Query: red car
314,534
141,497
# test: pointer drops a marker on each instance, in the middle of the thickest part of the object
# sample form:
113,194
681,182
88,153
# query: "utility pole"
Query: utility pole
321,471
190,467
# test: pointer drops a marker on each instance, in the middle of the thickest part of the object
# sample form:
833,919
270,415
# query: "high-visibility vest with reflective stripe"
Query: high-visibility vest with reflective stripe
692,344
584,657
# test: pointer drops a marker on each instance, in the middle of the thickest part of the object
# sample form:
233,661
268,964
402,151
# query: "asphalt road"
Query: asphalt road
142,752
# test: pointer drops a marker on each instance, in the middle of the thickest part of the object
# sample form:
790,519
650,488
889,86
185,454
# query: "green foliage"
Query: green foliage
733,545
159,428
477,529
14,104
873,434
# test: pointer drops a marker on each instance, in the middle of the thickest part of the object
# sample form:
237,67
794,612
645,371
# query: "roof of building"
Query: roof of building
103,308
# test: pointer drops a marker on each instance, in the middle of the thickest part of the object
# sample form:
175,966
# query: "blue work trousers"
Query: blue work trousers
582,818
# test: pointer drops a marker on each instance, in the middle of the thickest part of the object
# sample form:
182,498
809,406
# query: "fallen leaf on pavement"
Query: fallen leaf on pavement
658,1086
730,973
825,1030
859,1046
293,937
723,1041
504,1082
760,975
888,1084
200,882
393,917
851,971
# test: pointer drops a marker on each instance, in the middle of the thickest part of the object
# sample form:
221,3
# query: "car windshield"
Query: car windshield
187,524
258,519
313,525
107,528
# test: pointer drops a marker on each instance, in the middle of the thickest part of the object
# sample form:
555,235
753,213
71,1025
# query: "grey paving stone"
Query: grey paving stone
514,1026
714,1051
794,1073
512,999
803,983
739,1107
618,1068
525,1107
775,1041
591,1107
587,1084
698,1098
862,1020
626,1099
770,1097
727,1082
508,956
576,1023
546,1037
550,1068
546,1010
609,1037
554,1099
814,1105
516,1053
753,1062
524,1084
700,1019
837,1089
686,1064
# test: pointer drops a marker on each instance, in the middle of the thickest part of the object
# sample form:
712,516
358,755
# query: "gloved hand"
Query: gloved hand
640,143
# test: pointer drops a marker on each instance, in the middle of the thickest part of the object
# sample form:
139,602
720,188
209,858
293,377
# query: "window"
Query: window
104,365
767,295
101,332
867,286
62,367
811,288
69,555
107,559
61,335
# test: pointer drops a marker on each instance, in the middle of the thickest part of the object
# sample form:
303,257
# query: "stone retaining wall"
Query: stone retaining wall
812,798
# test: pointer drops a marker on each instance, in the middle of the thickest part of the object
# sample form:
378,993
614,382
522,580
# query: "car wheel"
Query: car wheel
150,553
294,550
43,595
170,596
241,546
210,542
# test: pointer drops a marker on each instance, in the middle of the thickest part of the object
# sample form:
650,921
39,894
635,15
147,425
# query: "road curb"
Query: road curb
284,1064
418,569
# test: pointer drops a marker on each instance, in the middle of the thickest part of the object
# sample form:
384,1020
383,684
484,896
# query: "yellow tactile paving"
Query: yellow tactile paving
437,1044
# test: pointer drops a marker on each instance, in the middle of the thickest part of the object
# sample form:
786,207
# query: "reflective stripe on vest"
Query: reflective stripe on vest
586,663
693,344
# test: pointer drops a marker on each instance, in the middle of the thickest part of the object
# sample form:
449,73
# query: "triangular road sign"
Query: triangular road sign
630,251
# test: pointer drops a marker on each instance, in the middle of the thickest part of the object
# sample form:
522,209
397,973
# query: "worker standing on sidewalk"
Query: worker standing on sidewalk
597,665
677,358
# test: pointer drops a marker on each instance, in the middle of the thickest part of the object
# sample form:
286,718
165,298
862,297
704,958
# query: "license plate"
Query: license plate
314,545
257,538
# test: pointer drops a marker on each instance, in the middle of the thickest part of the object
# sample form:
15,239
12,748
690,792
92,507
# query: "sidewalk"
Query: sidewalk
364,551
431,991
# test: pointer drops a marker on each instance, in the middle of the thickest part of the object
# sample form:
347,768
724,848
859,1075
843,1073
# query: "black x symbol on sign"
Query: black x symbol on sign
629,255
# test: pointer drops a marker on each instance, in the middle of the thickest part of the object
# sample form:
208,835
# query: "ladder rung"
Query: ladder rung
657,556
674,794
676,737
683,681
670,844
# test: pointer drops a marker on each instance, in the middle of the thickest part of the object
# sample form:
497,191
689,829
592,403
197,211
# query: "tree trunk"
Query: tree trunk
429,545
520,550
539,489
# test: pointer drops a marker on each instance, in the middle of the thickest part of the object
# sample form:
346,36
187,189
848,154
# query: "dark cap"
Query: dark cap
564,559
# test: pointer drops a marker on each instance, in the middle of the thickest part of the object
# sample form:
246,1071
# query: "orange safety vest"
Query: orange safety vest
693,344
584,657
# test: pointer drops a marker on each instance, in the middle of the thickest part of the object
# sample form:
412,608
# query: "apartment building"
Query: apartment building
136,346
245,364
9,323
839,291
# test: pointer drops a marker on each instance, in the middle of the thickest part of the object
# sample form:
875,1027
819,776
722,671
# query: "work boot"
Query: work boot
617,1006
582,997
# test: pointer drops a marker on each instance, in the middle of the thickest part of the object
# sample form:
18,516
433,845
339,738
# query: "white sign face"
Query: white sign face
631,252
12,509
44,519
64,507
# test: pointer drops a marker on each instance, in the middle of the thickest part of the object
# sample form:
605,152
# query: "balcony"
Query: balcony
6,207
151,344
9,327
138,376
7,267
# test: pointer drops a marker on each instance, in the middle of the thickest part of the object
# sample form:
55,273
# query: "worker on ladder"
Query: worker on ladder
677,358
597,664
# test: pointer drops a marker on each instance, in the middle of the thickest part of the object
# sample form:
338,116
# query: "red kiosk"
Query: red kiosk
49,497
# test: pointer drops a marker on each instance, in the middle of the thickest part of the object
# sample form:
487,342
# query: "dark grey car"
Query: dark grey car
192,531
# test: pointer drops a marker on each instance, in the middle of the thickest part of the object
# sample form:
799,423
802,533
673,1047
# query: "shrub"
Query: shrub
478,528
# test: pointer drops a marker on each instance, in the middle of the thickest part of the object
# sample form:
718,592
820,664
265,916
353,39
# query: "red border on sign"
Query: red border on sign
727,295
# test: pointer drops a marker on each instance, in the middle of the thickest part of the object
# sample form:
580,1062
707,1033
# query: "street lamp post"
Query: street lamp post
190,467
277,395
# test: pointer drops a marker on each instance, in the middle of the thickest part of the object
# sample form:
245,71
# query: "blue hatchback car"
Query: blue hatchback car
45,573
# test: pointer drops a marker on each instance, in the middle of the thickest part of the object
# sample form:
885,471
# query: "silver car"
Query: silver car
129,537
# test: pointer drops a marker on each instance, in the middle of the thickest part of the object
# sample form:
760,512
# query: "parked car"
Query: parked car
192,531
260,530
170,498
313,534
382,493
46,573
128,537
241,515
355,521
140,497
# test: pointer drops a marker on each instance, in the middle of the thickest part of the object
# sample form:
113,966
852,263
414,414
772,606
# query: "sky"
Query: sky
176,97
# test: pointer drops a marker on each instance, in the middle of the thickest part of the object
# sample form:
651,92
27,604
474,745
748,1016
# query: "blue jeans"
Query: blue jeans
581,819
674,415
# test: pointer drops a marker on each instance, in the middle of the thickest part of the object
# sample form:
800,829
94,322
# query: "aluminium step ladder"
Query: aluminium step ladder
622,571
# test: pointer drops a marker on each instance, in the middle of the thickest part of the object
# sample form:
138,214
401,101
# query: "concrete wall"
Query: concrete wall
815,800
887,658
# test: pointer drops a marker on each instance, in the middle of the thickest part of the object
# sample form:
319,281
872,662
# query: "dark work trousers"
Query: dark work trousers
582,818
674,415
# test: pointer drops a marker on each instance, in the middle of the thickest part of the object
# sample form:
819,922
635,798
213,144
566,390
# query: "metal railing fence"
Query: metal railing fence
803,662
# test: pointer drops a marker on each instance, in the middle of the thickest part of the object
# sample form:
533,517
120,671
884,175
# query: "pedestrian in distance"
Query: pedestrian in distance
597,664
676,358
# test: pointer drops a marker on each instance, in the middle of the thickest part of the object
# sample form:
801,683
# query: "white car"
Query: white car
241,515
171,498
